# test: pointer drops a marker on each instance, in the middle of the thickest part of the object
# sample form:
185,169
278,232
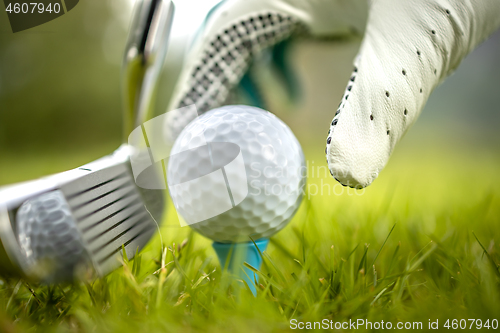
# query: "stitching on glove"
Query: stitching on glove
229,54
342,104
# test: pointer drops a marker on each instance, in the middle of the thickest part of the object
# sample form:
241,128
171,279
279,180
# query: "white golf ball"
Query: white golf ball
236,172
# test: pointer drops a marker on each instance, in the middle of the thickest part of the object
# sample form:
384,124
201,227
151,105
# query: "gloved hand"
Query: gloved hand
409,47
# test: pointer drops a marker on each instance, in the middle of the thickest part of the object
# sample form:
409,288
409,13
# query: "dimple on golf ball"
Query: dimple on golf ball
236,172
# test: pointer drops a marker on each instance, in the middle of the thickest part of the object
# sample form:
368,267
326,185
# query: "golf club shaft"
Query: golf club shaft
144,55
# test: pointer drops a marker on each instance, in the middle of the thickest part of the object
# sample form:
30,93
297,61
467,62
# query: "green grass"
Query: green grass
421,243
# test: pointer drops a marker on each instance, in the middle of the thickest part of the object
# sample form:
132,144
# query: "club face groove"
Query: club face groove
113,240
107,262
96,210
88,228
95,187
93,238
123,186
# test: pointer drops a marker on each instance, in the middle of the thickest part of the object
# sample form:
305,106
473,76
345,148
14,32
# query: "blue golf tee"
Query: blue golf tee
239,253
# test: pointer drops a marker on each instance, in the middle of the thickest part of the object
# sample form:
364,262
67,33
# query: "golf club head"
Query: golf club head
77,223
62,226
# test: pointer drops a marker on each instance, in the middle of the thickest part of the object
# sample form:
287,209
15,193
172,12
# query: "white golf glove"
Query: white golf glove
409,47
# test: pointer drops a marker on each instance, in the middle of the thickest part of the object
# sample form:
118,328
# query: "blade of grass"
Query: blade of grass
385,241
394,255
362,263
490,259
